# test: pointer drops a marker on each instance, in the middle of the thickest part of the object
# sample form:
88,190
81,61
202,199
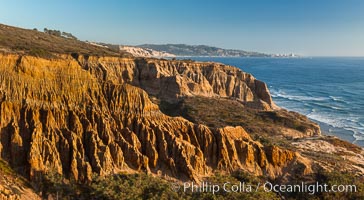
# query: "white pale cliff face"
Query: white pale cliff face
143,52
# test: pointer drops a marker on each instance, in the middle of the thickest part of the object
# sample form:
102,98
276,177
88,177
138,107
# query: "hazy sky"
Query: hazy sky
307,27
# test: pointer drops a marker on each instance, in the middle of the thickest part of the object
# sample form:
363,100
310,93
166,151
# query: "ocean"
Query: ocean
329,91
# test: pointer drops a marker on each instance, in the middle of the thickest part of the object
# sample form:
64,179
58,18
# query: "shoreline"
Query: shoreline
341,133
326,129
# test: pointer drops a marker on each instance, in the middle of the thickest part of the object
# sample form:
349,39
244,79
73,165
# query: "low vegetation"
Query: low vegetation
339,178
221,112
45,44
143,186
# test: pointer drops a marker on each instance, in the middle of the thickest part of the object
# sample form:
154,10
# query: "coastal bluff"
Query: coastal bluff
79,115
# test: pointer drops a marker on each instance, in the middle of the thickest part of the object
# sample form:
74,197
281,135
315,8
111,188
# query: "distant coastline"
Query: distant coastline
183,50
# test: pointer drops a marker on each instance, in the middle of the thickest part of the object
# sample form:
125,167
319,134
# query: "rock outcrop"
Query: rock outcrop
172,79
78,115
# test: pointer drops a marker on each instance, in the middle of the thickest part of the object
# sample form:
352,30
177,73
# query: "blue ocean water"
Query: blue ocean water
329,91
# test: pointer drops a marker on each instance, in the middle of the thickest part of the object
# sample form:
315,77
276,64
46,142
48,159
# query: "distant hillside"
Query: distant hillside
41,44
202,50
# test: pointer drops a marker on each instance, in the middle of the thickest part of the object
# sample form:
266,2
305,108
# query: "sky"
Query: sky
305,27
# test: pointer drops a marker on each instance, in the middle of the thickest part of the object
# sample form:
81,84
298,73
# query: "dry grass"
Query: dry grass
40,44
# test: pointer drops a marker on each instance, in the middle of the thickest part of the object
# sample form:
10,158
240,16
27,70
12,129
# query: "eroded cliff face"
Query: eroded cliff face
172,79
80,115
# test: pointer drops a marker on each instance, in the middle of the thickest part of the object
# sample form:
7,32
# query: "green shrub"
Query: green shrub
42,53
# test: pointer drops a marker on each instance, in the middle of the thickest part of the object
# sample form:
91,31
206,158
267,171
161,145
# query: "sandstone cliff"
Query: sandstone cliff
170,80
79,115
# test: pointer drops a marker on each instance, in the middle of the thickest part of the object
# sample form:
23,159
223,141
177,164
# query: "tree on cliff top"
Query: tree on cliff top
58,33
